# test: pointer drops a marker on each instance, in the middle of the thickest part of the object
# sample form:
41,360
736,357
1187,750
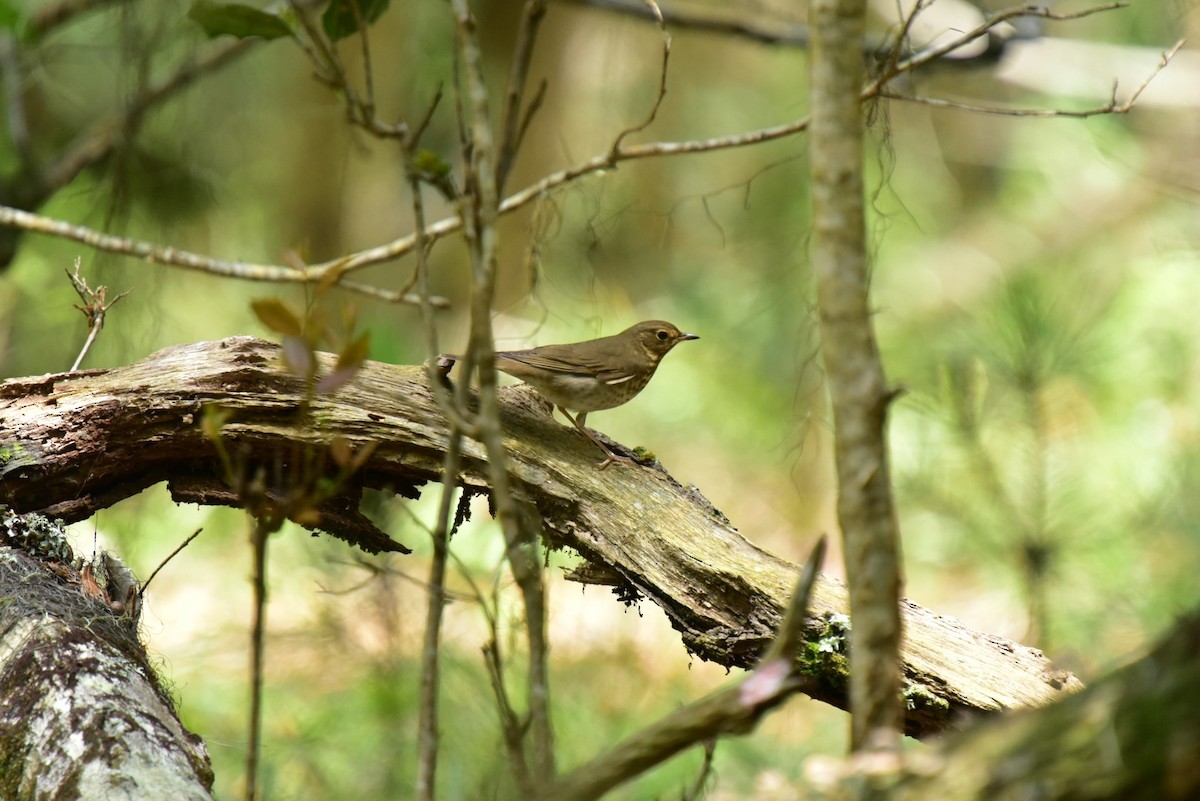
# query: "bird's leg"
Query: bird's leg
611,457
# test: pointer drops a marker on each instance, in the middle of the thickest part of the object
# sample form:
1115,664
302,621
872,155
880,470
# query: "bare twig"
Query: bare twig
164,254
662,80
512,727
1162,65
1113,106
435,231
744,26
368,71
513,123
95,307
169,557
479,207
696,791
260,533
944,49
901,38
427,725
427,728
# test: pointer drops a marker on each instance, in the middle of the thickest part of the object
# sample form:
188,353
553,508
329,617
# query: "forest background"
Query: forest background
1035,279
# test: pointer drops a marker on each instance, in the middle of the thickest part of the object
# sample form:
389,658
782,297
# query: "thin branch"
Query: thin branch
935,53
479,207
365,44
165,254
513,123
440,229
95,307
1163,61
314,46
169,557
423,124
511,726
893,55
427,725
662,81
784,33
696,791
1113,106
260,533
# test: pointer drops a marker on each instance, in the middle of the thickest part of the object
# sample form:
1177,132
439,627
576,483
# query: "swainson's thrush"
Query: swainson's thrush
596,374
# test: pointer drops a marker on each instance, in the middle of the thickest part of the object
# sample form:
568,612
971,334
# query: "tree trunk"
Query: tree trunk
82,713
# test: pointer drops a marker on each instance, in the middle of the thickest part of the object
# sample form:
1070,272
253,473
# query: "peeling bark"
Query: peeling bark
77,443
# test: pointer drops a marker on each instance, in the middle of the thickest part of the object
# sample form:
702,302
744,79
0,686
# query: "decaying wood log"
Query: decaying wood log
71,444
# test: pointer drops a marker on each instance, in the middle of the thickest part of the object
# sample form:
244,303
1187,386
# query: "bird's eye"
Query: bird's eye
662,335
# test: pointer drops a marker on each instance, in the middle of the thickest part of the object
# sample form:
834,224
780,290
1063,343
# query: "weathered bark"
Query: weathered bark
80,442
82,713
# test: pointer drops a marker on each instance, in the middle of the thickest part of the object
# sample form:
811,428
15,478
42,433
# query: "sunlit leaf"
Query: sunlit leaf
430,165
308,517
433,170
349,360
349,316
341,20
275,315
333,274
235,19
295,260
213,420
335,380
355,352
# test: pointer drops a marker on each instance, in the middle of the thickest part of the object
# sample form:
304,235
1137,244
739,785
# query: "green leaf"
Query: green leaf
235,19
213,420
341,21
349,361
355,352
430,168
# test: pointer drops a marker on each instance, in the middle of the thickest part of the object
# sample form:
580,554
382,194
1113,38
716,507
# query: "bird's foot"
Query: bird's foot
614,457
609,456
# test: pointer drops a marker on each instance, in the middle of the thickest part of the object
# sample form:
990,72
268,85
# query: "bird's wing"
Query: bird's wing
568,360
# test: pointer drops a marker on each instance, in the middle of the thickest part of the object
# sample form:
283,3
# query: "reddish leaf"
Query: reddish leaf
298,356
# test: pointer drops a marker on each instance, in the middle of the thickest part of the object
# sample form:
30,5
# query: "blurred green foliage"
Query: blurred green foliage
1036,281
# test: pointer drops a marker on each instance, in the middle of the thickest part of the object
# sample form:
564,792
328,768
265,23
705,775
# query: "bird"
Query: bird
596,374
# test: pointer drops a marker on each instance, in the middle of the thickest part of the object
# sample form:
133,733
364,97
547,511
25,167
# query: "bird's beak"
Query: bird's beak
682,337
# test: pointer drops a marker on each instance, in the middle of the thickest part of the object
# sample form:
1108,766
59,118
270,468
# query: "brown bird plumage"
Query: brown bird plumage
596,374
